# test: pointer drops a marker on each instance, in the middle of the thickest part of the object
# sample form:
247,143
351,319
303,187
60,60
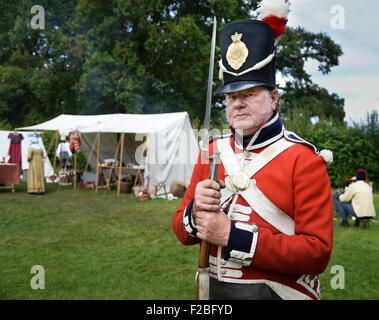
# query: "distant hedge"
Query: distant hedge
353,147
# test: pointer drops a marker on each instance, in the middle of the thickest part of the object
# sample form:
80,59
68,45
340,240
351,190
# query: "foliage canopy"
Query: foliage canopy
141,56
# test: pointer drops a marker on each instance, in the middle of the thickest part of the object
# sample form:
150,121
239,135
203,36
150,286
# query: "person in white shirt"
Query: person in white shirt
64,153
357,200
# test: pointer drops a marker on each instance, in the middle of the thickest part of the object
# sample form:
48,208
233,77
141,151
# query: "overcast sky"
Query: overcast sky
354,25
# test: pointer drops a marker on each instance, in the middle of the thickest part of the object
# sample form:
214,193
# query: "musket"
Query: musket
202,274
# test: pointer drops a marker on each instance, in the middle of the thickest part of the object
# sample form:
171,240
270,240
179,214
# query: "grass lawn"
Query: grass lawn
103,246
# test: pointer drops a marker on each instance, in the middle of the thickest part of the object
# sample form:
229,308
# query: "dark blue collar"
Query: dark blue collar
267,134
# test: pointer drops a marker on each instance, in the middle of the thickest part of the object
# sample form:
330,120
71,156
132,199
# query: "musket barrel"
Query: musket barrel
202,275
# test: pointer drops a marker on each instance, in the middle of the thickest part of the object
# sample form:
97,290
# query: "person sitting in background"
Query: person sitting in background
357,200
336,193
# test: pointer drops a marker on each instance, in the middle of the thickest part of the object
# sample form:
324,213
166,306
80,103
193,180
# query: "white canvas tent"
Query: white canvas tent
25,144
171,145
70,122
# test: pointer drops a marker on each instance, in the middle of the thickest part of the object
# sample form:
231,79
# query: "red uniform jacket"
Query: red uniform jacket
296,181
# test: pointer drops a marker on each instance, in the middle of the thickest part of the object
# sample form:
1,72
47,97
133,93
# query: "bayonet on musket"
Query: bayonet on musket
202,274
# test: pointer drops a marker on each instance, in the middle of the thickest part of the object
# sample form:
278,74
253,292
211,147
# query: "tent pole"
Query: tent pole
97,160
75,162
120,164
55,150
148,161
50,144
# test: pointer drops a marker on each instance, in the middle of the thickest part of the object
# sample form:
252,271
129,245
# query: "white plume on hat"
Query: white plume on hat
278,8
275,13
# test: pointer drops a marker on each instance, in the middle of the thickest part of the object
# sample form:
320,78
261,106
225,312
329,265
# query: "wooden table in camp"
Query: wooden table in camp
9,175
109,175
139,173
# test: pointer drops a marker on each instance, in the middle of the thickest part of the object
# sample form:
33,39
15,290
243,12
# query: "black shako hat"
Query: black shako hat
248,48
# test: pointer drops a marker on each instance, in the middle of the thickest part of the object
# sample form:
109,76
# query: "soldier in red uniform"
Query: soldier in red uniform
269,218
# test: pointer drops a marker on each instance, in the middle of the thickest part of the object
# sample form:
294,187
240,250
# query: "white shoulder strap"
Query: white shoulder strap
232,165
253,196
268,210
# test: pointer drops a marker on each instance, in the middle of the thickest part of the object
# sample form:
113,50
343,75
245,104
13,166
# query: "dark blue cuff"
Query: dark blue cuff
240,240
188,221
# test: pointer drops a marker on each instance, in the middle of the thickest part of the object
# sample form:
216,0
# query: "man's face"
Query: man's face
249,109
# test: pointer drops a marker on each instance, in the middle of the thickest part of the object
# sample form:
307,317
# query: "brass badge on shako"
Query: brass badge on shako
237,52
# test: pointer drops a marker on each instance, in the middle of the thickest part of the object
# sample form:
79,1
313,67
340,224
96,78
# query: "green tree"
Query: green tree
313,101
136,56
300,93
36,82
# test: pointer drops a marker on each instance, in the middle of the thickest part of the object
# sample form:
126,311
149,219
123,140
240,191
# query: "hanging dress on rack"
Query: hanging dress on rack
36,182
15,149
